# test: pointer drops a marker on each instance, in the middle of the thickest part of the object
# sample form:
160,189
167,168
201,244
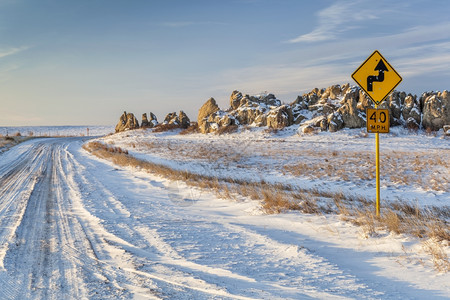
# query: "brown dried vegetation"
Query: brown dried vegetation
400,218
165,127
193,128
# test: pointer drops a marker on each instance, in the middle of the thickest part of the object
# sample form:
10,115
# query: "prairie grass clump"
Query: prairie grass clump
430,225
306,203
100,147
277,201
193,128
165,127
366,219
392,221
439,256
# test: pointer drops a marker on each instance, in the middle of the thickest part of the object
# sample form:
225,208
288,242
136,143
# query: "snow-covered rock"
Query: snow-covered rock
181,120
436,110
127,122
411,112
207,109
351,115
337,106
280,117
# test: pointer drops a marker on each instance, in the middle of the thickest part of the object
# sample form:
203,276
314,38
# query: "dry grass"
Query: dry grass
439,256
431,226
205,152
165,127
392,221
193,128
276,201
427,170
9,141
6,141
97,147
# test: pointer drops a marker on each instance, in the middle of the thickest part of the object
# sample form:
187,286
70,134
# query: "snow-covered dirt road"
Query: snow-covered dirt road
75,227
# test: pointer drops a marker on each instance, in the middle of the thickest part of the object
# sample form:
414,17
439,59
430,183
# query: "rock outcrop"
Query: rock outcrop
208,109
298,108
430,112
436,110
145,123
250,110
394,103
127,122
218,121
235,99
331,109
181,120
332,92
279,117
262,110
335,121
336,107
153,121
172,119
184,120
352,116
149,123
411,113
446,130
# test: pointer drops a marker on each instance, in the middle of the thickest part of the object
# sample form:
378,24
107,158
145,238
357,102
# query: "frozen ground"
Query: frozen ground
414,167
74,226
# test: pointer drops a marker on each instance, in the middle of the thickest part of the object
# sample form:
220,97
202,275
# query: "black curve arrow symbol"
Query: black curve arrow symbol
381,67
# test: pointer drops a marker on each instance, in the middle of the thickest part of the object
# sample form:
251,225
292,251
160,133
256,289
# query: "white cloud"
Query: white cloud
417,42
338,18
11,51
9,66
284,81
424,64
419,51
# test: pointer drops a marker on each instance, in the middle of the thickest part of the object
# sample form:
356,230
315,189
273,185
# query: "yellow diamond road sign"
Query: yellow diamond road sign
376,77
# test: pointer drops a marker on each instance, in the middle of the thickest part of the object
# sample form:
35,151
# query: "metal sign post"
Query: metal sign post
378,79
377,168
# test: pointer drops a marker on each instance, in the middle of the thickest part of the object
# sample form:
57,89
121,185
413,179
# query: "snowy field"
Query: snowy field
414,167
56,130
73,226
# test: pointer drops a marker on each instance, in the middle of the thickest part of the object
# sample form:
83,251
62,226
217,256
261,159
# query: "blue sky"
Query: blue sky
83,62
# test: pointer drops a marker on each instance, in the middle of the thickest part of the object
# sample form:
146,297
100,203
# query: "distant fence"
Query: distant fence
55,131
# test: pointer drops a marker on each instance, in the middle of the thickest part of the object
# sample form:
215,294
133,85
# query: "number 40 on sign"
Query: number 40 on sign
377,120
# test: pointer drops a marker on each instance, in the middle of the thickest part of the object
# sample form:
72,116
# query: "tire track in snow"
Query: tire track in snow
179,265
49,255
77,227
27,260
125,230
16,186
113,259
201,237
